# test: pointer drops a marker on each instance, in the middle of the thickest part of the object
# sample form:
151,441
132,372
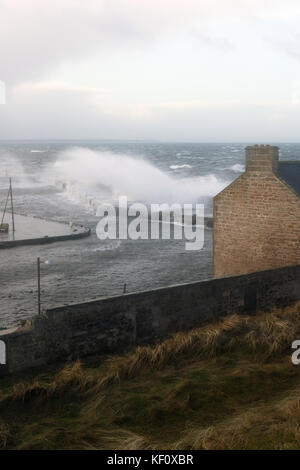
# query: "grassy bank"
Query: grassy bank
228,385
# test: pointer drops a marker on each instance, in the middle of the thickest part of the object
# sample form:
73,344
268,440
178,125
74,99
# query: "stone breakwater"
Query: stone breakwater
37,231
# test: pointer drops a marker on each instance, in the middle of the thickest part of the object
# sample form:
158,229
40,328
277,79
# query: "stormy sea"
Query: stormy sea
67,181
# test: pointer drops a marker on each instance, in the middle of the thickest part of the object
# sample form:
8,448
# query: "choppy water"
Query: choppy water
96,173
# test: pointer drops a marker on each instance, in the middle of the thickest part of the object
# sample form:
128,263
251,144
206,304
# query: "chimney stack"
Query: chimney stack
262,158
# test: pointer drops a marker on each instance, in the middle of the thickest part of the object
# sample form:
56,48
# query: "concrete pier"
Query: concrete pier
35,231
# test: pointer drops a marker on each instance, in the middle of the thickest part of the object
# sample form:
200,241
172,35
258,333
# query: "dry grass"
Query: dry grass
227,385
72,377
82,437
4,435
271,333
256,428
116,439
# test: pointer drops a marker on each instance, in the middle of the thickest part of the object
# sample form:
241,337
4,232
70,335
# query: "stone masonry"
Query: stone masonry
257,217
116,324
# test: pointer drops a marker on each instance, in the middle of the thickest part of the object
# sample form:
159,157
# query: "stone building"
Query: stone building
257,217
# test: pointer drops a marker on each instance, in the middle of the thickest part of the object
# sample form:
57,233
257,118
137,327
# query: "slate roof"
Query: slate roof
290,173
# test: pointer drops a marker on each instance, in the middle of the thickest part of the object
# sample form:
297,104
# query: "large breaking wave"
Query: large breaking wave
90,175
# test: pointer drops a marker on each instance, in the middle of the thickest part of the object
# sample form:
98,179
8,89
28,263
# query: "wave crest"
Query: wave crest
106,175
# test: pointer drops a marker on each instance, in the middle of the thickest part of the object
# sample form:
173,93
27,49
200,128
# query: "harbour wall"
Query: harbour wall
45,240
42,231
116,324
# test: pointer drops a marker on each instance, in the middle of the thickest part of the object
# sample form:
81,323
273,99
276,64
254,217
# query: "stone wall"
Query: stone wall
116,324
82,233
256,219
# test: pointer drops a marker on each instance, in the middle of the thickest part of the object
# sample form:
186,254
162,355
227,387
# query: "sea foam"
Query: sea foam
90,175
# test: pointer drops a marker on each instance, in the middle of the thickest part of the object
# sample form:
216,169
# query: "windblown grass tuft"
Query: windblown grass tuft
227,385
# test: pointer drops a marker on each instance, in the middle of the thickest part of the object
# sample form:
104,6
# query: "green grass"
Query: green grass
227,385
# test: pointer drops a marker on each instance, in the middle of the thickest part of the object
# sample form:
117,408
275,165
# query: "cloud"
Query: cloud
290,47
39,36
48,111
48,86
217,42
140,68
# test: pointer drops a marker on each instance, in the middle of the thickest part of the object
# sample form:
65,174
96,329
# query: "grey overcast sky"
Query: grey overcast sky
184,70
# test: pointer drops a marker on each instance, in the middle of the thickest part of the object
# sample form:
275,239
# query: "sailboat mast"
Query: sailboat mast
12,205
